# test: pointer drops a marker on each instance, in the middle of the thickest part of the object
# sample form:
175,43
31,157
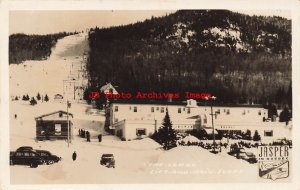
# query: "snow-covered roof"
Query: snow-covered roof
56,96
107,87
190,138
53,113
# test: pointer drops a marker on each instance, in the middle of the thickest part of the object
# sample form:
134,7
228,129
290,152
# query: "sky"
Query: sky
47,22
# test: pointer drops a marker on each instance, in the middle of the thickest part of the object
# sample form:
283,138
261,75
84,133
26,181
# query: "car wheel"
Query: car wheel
50,162
33,165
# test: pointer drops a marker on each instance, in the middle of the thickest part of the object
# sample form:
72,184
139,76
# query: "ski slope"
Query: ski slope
47,76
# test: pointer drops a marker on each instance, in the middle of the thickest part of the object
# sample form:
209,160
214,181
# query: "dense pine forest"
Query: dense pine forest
238,58
24,47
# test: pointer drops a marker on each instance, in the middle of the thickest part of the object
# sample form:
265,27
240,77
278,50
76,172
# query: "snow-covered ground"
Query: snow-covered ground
47,76
138,161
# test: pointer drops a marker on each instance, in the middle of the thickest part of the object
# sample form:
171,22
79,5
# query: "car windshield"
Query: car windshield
249,154
44,153
107,156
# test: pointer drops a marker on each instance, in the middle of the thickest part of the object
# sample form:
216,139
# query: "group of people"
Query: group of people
85,134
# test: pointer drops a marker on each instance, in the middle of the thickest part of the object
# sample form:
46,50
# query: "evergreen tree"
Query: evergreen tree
33,101
38,97
46,98
256,136
16,98
24,98
166,134
27,97
155,136
285,115
272,111
248,135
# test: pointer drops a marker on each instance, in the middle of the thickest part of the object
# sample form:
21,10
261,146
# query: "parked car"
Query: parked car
248,156
26,157
48,157
108,160
24,148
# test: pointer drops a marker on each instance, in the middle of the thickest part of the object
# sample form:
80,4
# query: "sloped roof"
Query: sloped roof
107,86
194,117
60,111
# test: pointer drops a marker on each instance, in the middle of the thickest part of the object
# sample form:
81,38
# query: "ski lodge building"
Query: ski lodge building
53,126
137,120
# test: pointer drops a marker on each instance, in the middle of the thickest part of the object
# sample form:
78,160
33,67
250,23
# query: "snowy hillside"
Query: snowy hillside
46,76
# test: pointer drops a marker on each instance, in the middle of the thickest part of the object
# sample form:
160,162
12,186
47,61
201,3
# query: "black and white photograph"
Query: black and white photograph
150,96
167,94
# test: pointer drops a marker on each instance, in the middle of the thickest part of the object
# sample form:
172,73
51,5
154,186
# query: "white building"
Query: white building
135,120
108,88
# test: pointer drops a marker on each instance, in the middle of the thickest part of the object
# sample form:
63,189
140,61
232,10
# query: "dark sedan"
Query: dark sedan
26,157
48,157
108,160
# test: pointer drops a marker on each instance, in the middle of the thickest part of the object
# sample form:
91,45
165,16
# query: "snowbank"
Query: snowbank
190,138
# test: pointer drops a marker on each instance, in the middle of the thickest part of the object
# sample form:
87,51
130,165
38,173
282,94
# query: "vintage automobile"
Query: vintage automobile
24,148
48,157
26,157
248,156
108,160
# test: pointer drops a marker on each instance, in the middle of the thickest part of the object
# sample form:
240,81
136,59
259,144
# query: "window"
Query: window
134,109
19,154
179,110
269,133
43,154
152,109
162,109
58,129
157,108
140,131
60,114
205,119
26,153
32,154
189,110
116,108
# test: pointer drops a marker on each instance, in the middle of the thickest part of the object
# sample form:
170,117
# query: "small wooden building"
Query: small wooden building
58,98
53,126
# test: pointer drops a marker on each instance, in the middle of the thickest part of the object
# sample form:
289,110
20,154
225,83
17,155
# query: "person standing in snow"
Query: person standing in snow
74,156
100,138
83,133
88,137
16,116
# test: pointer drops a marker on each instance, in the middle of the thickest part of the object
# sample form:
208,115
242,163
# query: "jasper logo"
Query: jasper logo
273,162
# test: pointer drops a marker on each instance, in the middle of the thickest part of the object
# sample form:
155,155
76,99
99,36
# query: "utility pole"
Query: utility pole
212,123
68,105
